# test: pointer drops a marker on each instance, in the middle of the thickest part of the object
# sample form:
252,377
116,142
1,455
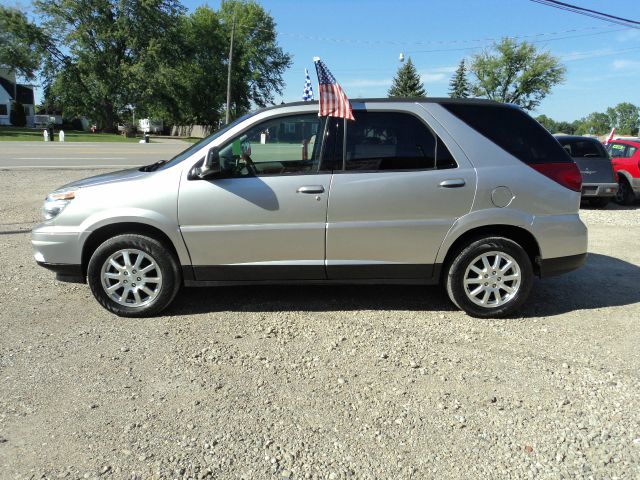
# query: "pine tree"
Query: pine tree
407,82
459,84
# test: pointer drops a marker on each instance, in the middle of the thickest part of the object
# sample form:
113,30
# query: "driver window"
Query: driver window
279,146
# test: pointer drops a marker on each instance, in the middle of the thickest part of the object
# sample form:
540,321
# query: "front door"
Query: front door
264,217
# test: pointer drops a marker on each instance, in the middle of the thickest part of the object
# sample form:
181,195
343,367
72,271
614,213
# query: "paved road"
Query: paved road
17,155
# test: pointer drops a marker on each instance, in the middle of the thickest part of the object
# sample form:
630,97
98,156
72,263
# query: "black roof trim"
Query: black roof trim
445,100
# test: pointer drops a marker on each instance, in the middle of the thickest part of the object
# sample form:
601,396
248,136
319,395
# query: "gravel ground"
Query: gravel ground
331,382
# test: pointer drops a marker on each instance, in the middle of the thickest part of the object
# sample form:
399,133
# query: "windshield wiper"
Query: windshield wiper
153,166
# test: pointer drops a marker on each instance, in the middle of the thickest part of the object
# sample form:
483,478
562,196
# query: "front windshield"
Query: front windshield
204,142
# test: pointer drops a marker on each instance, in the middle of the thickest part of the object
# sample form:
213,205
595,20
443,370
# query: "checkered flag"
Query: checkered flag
308,89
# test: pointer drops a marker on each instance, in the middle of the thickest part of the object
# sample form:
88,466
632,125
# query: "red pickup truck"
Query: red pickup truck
625,158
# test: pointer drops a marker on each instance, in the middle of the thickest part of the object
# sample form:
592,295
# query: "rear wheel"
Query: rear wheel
599,202
624,195
133,275
492,277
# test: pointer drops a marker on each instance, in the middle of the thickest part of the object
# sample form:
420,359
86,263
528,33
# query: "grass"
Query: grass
35,135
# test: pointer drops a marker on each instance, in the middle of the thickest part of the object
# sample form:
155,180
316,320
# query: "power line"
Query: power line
522,36
627,22
403,43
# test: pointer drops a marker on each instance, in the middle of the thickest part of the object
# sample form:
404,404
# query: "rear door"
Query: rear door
398,195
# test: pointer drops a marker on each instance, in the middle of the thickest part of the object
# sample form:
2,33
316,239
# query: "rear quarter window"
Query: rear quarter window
512,130
583,148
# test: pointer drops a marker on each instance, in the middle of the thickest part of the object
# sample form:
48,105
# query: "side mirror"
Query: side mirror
211,165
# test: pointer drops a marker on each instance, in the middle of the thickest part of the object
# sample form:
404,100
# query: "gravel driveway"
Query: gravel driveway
318,382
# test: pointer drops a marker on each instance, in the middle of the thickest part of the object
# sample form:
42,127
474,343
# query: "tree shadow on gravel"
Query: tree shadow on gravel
602,282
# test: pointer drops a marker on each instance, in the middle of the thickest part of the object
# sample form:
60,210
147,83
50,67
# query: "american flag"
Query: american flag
333,101
308,89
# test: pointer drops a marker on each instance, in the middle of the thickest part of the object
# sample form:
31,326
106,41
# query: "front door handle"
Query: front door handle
311,189
453,183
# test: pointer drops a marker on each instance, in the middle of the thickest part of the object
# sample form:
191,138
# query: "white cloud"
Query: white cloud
436,75
626,65
366,83
628,35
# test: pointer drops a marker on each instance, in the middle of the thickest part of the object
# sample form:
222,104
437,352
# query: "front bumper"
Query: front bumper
65,272
590,190
58,249
635,185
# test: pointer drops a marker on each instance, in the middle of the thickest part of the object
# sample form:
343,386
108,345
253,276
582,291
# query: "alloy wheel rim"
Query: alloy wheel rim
492,279
131,278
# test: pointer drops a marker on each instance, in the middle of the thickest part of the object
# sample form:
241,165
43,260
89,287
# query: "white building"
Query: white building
9,91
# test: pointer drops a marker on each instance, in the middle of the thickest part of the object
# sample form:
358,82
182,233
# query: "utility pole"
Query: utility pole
233,31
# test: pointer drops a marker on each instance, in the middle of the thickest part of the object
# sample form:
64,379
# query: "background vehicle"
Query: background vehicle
625,158
599,182
471,194
150,125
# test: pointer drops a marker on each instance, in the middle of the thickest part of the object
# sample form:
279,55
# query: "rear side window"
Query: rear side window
579,148
512,130
617,149
393,141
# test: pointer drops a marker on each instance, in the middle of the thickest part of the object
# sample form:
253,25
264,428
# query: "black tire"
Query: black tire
599,202
155,252
466,258
625,195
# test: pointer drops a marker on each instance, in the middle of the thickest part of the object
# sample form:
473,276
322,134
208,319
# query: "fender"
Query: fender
482,218
151,218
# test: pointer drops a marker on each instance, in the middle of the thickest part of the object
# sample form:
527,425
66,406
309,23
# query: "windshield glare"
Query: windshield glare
204,142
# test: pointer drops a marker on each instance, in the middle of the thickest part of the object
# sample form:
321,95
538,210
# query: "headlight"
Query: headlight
55,203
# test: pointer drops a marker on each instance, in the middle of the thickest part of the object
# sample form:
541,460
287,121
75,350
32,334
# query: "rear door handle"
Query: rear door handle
310,189
453,183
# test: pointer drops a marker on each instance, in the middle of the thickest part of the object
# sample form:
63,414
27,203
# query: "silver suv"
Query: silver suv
471,194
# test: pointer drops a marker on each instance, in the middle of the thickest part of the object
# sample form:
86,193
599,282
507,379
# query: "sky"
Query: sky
360,42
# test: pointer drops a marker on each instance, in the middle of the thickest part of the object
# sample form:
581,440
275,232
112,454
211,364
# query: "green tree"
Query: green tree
565,127
17,117
258,60
459,85
596,123
547,123
515,73
20,43
116,53
625,117
407,82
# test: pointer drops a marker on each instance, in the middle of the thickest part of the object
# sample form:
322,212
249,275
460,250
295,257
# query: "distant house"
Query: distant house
10,91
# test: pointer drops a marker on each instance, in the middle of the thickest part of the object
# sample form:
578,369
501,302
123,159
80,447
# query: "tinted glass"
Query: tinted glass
333,146
512,130
630,151
392,141
581,148
282,145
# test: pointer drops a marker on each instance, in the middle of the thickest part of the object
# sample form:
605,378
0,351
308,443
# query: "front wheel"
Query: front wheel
133,275
492,277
